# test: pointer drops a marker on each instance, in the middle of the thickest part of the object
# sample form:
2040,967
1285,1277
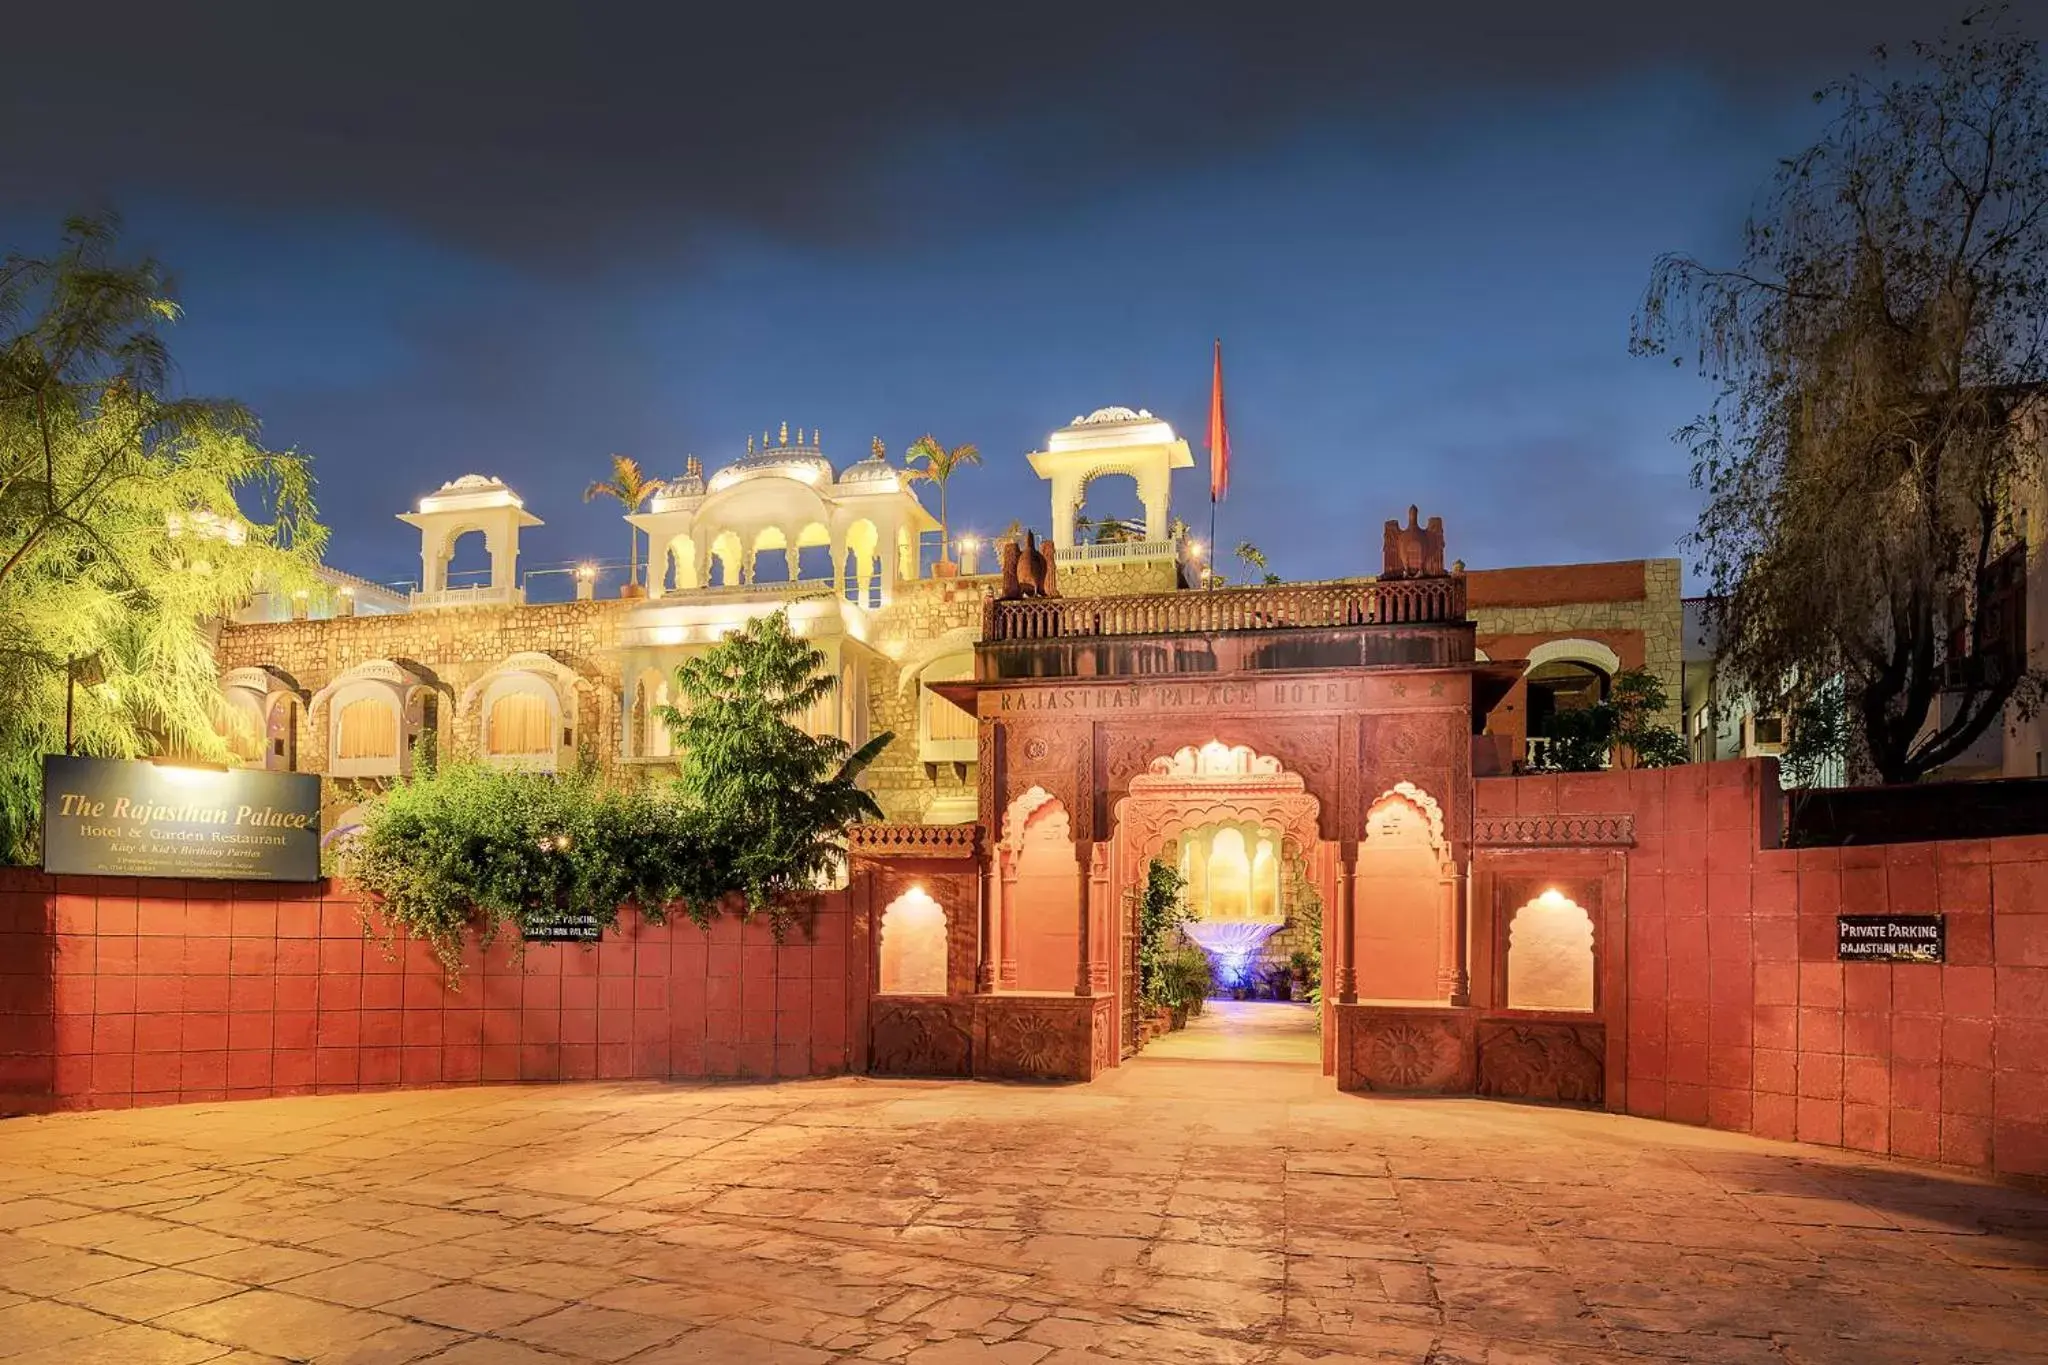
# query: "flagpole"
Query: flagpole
1211,584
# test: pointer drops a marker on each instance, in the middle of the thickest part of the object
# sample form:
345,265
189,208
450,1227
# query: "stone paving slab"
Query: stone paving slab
1193,1212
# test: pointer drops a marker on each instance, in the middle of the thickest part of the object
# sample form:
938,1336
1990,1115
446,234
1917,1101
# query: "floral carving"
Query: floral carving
920,1040
1037,1043
1555,831
1543,1061
1406,1051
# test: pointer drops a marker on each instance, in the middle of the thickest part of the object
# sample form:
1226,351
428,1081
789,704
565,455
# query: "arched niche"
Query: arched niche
403,698
1405,889
1550,957
913,946
522,713
1041,894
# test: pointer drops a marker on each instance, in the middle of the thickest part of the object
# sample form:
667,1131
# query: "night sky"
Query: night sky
425,240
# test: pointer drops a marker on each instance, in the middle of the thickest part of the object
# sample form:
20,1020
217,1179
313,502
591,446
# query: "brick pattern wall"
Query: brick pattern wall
1740,1017
118,992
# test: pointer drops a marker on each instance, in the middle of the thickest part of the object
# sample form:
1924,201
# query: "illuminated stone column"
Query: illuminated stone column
1006,967
1347,923
1448,970
1084,969
1102,920
1457,980
985,948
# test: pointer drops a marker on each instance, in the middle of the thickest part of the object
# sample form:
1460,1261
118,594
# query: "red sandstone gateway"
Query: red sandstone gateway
1634,940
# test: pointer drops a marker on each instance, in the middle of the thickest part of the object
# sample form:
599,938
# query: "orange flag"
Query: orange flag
1219,434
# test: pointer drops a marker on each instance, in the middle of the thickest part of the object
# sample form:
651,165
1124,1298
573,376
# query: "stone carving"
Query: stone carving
878,840
1554,831
1038,1043
1412,1051
1414,551
919,1039
1030,569
1564,1062
1105,1031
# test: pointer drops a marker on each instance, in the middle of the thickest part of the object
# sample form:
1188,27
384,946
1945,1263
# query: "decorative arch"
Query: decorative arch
1215,759
1029,807
913,946
1576,651
389,693
1423,802
1550,956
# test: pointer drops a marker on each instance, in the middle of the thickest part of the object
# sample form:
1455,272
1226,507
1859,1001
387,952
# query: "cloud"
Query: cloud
569,135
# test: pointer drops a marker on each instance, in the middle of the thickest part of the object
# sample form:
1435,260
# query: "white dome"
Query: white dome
1103,415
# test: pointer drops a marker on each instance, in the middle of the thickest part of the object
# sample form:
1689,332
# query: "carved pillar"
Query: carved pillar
837,577
1459,984
1102,918
1347,923
985,946
1084,971
1447,967
1006,965
793,557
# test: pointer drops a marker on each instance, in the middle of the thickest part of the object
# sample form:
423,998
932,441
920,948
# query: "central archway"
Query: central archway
1219,799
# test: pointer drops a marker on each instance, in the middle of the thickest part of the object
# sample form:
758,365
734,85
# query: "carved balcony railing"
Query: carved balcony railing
482,595
1397,602
1123,552
879,840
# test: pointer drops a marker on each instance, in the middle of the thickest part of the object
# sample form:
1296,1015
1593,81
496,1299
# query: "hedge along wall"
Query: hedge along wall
118,992
1738,1014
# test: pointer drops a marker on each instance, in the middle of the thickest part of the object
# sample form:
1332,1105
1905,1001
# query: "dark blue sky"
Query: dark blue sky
1421,249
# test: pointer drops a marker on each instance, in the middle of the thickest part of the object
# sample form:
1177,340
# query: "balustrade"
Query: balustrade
1416,601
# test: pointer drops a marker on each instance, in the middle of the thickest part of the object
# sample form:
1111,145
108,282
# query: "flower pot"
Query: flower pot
1195,1007
1283,988
631,591
1180,1016
945,568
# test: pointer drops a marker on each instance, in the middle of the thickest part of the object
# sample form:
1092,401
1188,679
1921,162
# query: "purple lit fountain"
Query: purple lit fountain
1231,944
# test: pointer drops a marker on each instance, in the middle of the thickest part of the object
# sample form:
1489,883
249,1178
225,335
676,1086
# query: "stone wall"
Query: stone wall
1633,608
925,619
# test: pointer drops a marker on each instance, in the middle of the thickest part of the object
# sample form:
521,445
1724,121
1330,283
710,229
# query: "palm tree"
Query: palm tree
1255,559
939,467
632,488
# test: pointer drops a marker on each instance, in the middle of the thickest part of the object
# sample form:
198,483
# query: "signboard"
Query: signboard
1890,938
564,929
115,817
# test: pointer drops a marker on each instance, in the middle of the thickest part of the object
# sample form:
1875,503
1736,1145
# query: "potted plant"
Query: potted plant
1281,979
631,488
940,464
1302,964
1184,977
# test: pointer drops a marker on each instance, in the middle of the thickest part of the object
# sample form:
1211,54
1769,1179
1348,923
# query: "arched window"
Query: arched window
913,945
366,728
520,723
1550,955
945,732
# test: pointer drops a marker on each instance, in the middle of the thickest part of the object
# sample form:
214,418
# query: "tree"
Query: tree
131,517
1254,561
1623,728
772,802
940,464
632,488
1881,354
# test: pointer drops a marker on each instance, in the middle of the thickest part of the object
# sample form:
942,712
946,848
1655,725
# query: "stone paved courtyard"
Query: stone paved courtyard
1178,1211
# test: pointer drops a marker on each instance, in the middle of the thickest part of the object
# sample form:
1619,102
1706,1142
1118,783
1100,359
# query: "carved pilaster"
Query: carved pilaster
1347,922
1084,974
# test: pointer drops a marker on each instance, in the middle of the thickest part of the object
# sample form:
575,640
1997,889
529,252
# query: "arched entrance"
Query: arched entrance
1244,833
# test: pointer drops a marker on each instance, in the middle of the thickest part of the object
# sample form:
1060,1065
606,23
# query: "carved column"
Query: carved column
1084,971
1447,965
1461,939
1347,923
1103,920
985,946
1006,965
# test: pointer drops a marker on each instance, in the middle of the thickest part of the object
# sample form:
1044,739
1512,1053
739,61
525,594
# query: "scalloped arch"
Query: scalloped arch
1421,801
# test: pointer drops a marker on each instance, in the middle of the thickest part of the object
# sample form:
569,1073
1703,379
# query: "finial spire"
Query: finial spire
750,443
876,451
784,433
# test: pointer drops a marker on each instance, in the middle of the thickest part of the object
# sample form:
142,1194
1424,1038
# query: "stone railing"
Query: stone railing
1122,552
879,840
483,595
1554,831
1412,601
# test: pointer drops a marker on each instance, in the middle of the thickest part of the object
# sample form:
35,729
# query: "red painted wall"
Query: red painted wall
118,992
1738,1016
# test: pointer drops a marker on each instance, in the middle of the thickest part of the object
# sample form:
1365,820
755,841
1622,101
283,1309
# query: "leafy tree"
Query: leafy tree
940,464
1818,746
772,803
1880,352
631,487
131,517
1623,728
1254,561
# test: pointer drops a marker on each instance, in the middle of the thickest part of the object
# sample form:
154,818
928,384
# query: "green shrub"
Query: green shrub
1162,909
1185,976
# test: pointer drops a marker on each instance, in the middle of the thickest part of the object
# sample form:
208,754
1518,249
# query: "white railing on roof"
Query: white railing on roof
1123,552
482,595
